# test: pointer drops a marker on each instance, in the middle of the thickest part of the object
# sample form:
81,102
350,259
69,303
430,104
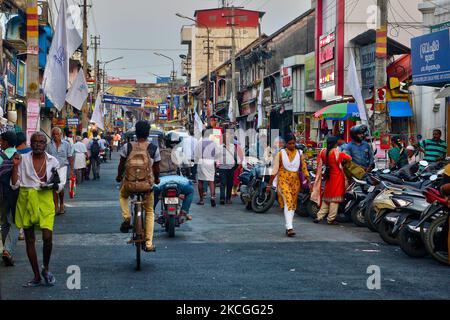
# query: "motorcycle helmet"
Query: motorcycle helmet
172,139
360,129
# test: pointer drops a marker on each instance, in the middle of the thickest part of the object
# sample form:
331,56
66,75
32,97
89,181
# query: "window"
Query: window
212,18
224,54
243,18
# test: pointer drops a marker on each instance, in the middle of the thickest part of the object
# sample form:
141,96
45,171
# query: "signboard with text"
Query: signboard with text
21,78
327,46
368,65
163,109
123,101
430,62
286,83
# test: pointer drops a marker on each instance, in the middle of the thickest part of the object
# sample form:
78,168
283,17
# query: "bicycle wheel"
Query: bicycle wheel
137,236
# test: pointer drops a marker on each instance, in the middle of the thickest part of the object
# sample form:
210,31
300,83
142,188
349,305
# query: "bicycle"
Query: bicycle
138,225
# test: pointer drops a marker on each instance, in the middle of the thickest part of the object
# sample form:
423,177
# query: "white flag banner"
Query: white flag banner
78,93
260,104
65,41
98,114
355,88
198,128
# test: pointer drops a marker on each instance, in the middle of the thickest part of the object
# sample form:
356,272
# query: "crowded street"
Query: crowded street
225,253
224,150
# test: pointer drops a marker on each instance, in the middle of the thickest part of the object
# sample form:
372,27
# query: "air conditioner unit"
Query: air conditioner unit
437,105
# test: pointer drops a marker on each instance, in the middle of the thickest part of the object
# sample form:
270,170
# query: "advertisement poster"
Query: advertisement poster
163,111
21,78
33,114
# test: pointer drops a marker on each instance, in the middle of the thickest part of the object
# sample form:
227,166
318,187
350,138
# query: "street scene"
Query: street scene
249,150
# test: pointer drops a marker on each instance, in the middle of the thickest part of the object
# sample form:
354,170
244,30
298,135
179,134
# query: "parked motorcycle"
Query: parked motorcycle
171,217
253,184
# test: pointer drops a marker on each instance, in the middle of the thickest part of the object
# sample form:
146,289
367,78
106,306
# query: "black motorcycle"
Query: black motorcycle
170,217
253,184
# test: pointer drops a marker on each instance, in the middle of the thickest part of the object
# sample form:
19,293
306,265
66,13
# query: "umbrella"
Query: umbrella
340,111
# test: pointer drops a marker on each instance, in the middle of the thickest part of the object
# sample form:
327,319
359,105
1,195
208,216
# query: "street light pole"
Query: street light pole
207,95
104,80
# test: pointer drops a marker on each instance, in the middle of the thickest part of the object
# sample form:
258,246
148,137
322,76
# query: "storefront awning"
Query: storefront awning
369,37
399,109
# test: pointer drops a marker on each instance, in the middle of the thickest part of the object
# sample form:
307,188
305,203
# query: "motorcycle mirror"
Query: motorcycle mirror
433,177
386,171
423,163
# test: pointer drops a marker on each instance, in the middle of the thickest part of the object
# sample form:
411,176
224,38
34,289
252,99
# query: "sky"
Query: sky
152,24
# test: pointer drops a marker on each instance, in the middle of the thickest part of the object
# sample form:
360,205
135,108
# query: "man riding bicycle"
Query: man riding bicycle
129,156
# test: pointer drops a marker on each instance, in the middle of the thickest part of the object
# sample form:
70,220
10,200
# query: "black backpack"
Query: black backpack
5,176
95,149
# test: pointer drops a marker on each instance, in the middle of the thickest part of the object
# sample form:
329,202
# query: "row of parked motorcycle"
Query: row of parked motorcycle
405,206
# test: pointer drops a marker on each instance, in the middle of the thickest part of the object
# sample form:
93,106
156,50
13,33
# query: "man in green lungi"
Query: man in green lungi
35,174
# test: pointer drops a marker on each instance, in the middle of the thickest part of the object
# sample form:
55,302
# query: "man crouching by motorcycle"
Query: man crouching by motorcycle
359,149
126,164
168,174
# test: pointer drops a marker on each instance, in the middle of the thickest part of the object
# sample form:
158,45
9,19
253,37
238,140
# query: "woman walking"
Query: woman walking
286,178
334,178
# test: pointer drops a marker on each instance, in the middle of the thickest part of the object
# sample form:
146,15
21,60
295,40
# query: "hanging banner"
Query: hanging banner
123,101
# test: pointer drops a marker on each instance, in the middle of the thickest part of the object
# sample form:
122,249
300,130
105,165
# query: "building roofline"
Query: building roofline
261,13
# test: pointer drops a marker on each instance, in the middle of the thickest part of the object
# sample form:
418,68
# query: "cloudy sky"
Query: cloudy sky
152,24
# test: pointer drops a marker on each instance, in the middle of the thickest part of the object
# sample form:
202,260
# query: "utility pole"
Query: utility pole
32,69
233,63
95,41
380,118
85,109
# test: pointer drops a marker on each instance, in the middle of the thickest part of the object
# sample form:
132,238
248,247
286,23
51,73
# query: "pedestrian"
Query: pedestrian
227,164
288,163
331,159
189,144
34,174
412,155
21,144
127,157
80,155
62,151
68,136
116,141
87,171
22,148
206,156
8,197
434,149
360,150
398,156
95,146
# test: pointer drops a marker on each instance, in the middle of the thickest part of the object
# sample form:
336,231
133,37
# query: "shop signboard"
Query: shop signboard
21,78
163,109
368,66
327,46
12,76
286,83
123,101
73,122
310,72
430,62
440,27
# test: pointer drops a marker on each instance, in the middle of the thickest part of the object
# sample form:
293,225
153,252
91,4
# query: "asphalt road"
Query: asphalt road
224,253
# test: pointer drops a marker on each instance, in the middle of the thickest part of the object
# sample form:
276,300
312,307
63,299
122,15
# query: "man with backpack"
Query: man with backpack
138,172
95,146
8,197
